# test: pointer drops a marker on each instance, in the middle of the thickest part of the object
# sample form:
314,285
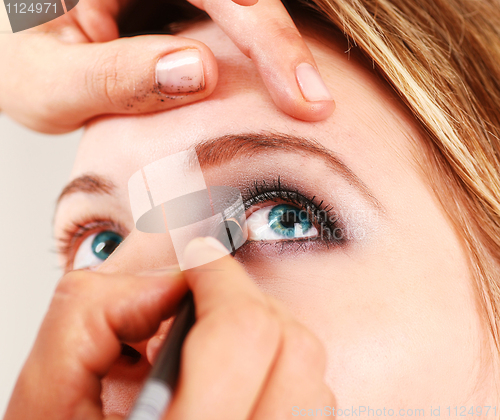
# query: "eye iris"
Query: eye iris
105,243
288,220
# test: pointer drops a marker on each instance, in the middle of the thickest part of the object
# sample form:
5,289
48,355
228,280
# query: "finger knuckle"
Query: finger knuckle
73,284
127,322
103,79
287,34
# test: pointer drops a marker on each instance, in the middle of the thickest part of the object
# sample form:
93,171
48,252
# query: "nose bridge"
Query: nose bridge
139,252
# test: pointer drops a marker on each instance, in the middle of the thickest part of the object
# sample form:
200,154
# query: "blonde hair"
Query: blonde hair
442,57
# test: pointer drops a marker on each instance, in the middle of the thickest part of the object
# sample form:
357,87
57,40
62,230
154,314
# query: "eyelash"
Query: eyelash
261,192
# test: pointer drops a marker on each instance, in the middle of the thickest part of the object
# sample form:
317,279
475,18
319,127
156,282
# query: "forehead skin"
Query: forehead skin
396,313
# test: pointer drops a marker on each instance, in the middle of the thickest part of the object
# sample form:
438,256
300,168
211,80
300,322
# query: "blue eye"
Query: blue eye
105,243
282,221
95,249
289,221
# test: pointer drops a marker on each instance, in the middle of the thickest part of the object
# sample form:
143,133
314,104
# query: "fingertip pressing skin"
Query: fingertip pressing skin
289,73
206,252
301,92
200,251
307,111
295,82
311,84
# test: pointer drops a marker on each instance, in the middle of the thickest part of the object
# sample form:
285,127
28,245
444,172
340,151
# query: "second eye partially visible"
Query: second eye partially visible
96,248
89,242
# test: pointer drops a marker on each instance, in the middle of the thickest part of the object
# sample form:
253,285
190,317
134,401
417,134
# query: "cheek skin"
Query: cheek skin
391,340
398,318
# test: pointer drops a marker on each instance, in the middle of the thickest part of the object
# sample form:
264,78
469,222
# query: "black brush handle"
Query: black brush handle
167,365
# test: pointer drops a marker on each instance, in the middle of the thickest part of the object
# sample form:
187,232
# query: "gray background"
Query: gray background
33,169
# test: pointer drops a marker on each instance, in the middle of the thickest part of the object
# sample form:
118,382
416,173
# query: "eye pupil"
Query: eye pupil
285,219
105,243
289,219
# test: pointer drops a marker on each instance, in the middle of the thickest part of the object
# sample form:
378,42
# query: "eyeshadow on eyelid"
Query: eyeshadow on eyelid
223,149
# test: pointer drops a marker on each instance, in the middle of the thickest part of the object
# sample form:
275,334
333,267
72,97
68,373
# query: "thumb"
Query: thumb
73,83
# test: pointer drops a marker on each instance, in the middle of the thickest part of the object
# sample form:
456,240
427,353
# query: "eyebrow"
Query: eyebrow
220,150
89,183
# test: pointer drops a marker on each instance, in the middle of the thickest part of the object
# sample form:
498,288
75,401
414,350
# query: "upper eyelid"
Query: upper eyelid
284,192
276,200
322,214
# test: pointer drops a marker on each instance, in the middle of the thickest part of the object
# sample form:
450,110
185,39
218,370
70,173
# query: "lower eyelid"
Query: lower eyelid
256,250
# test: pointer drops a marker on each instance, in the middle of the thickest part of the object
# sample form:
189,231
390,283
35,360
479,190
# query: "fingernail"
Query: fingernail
201,251
153,347
180,72
311,84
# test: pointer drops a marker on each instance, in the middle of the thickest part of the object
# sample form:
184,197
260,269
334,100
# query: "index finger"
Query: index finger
90,315
221,281
266,33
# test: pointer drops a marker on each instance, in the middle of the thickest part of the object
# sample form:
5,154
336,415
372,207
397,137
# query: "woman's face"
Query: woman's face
389,293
